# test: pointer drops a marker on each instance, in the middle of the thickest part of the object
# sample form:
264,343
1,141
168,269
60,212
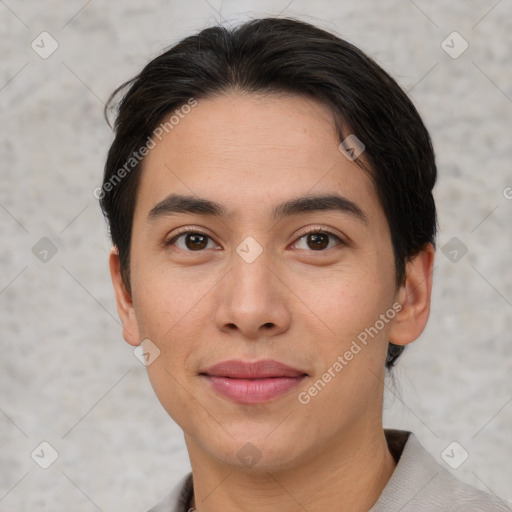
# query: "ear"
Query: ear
124,302
414,295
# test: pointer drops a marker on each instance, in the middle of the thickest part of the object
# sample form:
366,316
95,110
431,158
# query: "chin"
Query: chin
256,449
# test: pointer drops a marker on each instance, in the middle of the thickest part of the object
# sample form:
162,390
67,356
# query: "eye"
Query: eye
318,239
193,240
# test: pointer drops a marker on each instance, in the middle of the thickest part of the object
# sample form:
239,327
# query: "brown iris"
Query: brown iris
319,240
197,240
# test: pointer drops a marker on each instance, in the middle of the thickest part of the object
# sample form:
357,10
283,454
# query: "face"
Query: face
299,285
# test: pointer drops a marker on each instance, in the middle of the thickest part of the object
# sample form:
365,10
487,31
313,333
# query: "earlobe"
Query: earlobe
414,296
124,302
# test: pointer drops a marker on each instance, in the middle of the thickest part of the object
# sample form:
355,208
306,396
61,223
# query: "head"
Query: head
252,124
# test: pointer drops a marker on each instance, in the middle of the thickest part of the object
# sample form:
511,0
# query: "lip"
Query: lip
251,382
238,369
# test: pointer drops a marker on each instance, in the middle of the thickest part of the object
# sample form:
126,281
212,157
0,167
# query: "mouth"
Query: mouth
252,382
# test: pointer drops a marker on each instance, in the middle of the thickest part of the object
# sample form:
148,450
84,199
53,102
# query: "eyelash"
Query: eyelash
185,231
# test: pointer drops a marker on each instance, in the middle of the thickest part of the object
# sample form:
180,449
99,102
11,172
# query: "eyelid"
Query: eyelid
183,231
317,229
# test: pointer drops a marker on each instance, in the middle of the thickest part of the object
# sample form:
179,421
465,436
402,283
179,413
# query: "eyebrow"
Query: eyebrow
177,203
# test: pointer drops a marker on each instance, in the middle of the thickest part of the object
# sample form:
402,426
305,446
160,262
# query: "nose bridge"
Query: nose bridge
251,271
252,298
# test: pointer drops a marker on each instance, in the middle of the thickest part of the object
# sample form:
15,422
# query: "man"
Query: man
269,196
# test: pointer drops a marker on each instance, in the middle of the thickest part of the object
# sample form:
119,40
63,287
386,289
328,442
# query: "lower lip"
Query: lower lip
253,391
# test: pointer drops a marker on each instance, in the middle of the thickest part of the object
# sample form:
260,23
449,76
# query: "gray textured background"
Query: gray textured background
68,378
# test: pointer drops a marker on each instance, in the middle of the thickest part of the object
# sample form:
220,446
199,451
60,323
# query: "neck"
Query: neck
350,473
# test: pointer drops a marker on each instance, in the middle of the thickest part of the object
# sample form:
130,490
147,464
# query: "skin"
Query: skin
295,303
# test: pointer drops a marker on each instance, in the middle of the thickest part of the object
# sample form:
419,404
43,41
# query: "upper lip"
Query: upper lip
264,368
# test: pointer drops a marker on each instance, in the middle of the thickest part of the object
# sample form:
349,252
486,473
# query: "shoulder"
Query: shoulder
420,484
177,500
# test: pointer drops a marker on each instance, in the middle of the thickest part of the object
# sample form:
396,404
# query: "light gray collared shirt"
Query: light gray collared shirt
418,484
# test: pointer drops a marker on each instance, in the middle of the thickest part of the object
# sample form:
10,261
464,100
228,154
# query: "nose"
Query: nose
253,299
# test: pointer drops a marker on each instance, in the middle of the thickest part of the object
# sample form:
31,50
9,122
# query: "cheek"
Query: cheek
167,299
168,315
351,356
349,300
173,392
354,346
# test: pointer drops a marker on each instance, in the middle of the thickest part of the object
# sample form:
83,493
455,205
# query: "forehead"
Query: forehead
250,152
